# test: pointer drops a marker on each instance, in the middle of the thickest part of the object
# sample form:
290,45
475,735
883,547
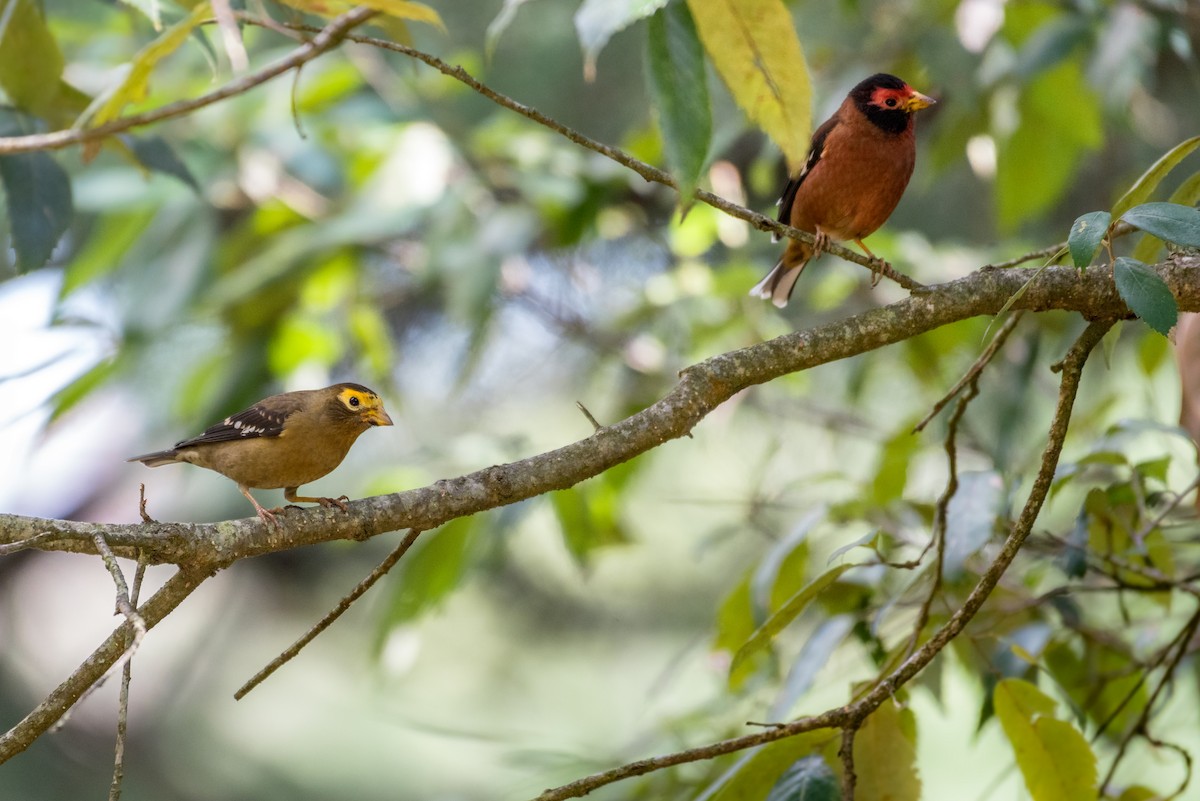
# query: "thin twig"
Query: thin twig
1156,578
124,607
1143,670
974,370
31,542
943,505
595,423
1187,762
1118,230
146,518
886,686
114,790
375,575
1158,519
1140,727
846,752
326,38
1041,253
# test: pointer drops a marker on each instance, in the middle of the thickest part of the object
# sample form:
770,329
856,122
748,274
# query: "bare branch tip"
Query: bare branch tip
591,419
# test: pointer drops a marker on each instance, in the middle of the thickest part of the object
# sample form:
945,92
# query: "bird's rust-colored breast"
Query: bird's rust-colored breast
858,181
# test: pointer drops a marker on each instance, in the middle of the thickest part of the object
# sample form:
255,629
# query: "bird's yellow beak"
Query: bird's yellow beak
917,102
378,417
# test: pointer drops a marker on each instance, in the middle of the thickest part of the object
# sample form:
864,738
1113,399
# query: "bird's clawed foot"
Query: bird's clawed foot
821,242
883,269
339,502
289,494
268,517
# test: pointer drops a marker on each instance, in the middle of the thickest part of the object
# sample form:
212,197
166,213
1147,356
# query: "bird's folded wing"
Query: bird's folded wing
259,420
814,155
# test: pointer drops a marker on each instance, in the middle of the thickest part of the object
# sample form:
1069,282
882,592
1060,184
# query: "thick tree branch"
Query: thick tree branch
702,388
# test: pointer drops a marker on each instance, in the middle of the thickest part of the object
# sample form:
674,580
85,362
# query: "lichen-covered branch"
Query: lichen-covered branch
702,388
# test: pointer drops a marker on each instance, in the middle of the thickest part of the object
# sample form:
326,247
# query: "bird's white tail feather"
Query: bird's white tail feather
777,286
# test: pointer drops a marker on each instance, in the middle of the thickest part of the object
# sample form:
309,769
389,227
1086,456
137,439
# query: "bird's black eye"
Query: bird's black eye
354,401
890,102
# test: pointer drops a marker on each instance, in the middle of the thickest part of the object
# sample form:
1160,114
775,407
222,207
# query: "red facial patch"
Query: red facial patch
882,95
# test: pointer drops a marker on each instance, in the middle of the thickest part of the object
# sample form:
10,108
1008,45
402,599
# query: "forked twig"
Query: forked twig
375,575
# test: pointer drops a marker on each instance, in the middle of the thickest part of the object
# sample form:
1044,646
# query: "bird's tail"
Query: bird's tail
156,459
778,285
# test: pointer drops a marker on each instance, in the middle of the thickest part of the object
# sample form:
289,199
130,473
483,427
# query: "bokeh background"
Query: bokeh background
484,274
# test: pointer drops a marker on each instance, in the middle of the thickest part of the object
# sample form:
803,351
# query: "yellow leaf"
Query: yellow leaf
885,756
1054,758
136,85
1024,655
399,9
754,47
405,9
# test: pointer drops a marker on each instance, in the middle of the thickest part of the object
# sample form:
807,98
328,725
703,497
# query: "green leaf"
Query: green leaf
1188,194
1086,234
30,61
885,756
754,47
1060,121
1053,756
1107,685
808,779
1170,222
891,476
1140,793
815,654
153,153
1146,294
679,91
1144,186
777,622
40,208
1073,559
597,20
108,240
755,773
66,399
1050,43
971,518
433,569
735,624
781,571
1155,468
589,516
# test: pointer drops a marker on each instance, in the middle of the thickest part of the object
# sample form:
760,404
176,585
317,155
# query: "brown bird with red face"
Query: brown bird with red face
858,165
